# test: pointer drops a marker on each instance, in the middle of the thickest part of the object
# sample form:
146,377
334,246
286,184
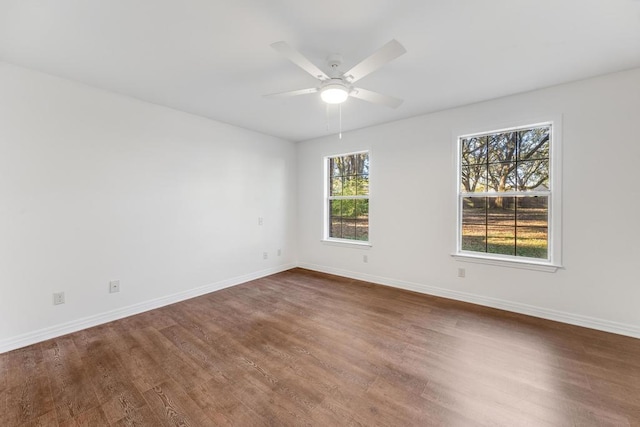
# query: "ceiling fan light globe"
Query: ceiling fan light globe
334,94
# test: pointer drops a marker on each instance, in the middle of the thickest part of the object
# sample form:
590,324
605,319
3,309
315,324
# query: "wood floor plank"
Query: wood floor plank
221,406
46,420
4,375
28,391
274,409
410,408
143,371
92,417
221,365
307,348
159,318
72,390
533,368
169,358
331,413
338,367
142,416
465,384
174,407
114,390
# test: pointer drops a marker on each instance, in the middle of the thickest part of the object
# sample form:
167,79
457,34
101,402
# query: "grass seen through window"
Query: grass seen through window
504,192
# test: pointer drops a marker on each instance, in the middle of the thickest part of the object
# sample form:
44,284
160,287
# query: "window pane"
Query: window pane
501,240
335,218
501,211
336,186
534,143
502,176
349,208
533,175
335,166
502,147
474,150
351,164
362,185
474,178
474,224
348,228
473,240
501,222
532,242
533,211
362,208
349,185
336,208
532,219
348,219
474,210
362,220
336,229
362,163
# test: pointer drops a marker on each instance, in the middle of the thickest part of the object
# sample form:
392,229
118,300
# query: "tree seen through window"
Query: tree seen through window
504,192
349,197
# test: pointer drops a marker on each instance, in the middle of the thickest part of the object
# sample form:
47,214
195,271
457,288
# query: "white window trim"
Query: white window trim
334,241
554,249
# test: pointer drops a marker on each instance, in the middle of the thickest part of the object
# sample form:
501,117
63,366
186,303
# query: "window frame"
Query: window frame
554,232
326,238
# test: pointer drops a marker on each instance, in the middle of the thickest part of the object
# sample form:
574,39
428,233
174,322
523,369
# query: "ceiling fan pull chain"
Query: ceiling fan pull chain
340,122
326,116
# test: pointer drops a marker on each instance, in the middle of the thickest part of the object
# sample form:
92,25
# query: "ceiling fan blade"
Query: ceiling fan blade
375,97
386,53
299,59
292,93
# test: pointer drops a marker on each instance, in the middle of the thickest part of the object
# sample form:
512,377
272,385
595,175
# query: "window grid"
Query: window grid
348,197
518,157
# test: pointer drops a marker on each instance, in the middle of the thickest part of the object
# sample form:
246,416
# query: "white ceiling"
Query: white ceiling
212,57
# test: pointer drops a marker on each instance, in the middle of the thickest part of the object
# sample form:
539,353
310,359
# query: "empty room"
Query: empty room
374,212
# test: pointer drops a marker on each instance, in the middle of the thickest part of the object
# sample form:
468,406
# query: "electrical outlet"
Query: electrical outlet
279,252
260,220
462,272
365,258
265,255
114,286
58,298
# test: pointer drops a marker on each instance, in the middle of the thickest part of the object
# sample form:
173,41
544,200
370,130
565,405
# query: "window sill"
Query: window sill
347,243
526,265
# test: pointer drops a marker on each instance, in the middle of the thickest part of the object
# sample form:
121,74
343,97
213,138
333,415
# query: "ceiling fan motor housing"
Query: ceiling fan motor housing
334,61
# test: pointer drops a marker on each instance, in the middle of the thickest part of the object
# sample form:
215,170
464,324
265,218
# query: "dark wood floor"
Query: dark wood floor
303,348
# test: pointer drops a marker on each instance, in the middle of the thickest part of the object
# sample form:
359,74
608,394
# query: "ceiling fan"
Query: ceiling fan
336,86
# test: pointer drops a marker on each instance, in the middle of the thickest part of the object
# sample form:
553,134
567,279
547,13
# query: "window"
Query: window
347,200
505,196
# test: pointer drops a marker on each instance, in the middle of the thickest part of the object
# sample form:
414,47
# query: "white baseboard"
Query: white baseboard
516,307
98,319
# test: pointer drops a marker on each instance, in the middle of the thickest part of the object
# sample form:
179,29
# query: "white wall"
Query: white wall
413,205
95,187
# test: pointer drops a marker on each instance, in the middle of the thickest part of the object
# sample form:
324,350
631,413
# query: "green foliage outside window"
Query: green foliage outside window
349,197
